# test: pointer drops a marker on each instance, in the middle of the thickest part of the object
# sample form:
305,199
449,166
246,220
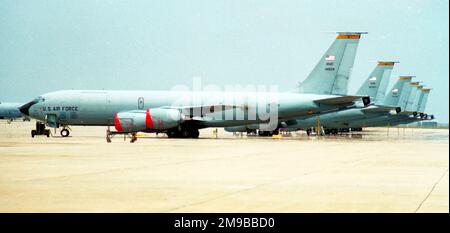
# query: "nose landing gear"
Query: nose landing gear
40,130
65,132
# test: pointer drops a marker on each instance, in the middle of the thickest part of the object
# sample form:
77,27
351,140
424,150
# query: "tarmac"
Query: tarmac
377,170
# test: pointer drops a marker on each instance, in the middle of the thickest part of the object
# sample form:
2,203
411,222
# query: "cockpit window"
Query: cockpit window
39,99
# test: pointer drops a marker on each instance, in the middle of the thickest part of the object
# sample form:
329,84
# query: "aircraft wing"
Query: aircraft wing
201,110
343,100
380,109
408,113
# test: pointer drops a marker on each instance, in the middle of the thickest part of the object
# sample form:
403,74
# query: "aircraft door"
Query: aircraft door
51,120
141,103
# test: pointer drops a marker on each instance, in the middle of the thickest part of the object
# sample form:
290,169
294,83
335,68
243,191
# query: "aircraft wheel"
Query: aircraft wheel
264,133
275,132
33,133
65,133
185,133
195,133
47,133
171,134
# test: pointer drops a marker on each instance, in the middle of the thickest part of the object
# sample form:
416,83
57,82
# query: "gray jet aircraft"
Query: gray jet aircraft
10,111
374,86
182,113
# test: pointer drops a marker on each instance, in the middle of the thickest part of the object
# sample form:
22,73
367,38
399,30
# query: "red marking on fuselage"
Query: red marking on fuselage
148,120
117,123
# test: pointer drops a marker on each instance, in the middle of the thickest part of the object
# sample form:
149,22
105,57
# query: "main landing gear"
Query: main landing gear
184,132
262,133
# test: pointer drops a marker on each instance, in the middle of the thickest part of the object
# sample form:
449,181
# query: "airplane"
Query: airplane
374,86
410,117
10,111
180,114
397,96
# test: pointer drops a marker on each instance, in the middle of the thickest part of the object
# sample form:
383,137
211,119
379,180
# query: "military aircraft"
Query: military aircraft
397,96
10,111
180,114
407,117
374,86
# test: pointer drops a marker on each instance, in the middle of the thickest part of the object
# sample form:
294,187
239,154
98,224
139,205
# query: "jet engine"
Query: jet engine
155,119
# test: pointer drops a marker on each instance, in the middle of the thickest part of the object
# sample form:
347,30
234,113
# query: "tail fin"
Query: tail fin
376,84
412,96
423,102
399,92
403,101
332,73
417,98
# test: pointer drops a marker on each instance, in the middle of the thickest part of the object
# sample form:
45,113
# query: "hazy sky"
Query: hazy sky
85,44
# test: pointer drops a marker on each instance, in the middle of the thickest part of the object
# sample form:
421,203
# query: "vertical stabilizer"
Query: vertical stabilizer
399,92
417,99
376,84
412,96
423,102
332,73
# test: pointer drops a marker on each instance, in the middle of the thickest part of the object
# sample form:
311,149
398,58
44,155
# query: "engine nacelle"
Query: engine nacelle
152,119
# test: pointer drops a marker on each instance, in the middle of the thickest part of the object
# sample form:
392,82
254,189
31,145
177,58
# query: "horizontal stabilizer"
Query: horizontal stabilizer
343,100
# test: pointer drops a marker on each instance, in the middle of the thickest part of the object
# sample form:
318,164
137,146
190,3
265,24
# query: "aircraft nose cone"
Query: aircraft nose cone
25,109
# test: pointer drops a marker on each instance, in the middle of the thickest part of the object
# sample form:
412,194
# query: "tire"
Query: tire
275,132
65,133
33,133
170,134
185,133
195,133
265,133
